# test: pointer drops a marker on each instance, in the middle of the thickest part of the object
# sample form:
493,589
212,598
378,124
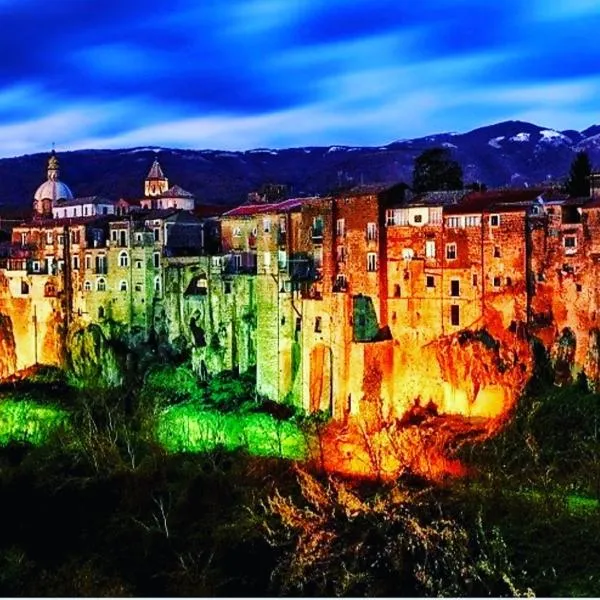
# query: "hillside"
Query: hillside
511,153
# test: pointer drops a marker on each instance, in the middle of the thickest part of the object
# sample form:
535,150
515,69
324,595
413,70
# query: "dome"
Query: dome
53,190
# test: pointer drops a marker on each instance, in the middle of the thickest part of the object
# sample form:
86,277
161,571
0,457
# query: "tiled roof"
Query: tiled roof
501,201
176,192
249,210
155,171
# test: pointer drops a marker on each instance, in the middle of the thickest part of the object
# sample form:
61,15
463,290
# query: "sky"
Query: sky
243,74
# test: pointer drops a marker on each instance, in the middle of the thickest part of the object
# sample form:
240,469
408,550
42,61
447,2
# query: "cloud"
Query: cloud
250,73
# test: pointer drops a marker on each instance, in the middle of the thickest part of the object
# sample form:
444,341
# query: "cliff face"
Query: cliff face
8,355
92,360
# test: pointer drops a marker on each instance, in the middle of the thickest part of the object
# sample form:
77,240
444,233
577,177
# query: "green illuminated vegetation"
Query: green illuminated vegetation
28,422
200,479
186,428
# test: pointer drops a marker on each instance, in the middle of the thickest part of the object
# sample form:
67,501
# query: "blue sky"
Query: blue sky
241,74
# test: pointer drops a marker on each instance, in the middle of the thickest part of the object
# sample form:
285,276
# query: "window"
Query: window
85,211
138,264
156,260
318,257
454,315
35,266
371,261
122,238
88,261
318,325
455,287
138,287
435,215
76,263
340,227
454,222
101,285
24,288
282,259
494,220
317,227
451,251
570,243
138,237
578,287
429,248
123,259
474,279
101,312
371,232
418,219
396,216
497,281
509,281
267,225
473,221
397,290
49,237
123,286
341,254
215,262
156,233
496,251
157,285
407,253
340,283
282,225
87,286
61,239
267,260
227,287
430,281
113,235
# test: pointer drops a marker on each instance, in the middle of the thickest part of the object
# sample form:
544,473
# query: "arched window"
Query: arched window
123,259
157,285
123,286
101,285
87,286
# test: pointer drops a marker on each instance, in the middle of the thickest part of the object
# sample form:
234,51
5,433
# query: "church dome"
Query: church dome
53,190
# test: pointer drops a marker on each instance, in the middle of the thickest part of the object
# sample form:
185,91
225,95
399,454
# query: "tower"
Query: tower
156,183
51,192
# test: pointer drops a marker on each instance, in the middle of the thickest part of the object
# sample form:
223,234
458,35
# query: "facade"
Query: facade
361,303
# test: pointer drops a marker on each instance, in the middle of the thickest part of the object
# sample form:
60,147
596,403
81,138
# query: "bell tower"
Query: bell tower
156,183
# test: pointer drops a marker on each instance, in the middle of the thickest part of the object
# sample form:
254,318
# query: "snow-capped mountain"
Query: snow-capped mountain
508,153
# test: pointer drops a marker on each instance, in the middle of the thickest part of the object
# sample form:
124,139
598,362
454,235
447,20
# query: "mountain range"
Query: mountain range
511,153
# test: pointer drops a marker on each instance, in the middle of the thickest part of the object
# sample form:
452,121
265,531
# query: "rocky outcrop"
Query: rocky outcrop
8,355
92,360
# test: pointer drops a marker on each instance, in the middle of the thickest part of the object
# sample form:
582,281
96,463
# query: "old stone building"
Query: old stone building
359,303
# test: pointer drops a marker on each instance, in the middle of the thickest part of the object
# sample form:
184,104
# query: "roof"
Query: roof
249,210
437,198
155,171
500,201
84,200
52,223
53,190
176,192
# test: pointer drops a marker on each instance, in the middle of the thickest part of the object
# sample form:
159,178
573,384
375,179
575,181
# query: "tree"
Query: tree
436,170
578,183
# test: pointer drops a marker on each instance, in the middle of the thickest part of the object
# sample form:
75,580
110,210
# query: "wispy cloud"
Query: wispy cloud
250,73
